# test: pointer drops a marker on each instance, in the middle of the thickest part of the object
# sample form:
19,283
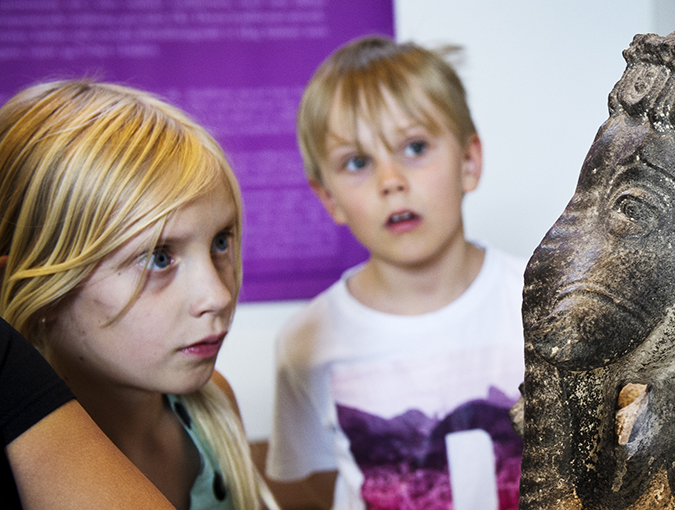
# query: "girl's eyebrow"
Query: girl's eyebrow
140,251
170,236
139,245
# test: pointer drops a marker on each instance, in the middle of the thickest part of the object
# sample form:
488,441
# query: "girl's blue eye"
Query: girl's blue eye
160,259
221,242
415,148
356,163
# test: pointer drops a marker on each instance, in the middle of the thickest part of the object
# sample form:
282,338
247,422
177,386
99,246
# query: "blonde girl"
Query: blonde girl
120,231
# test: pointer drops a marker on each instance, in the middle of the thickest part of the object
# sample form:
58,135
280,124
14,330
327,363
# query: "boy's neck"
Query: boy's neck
405,290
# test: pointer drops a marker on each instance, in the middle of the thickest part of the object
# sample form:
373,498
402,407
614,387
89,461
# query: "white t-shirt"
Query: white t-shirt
386,399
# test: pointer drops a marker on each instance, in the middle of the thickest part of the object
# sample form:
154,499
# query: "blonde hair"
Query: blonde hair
358,76
84,168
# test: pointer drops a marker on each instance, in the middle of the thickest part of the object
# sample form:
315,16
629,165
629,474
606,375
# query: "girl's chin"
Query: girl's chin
192,384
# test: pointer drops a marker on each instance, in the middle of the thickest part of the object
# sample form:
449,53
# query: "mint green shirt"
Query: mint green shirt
209,491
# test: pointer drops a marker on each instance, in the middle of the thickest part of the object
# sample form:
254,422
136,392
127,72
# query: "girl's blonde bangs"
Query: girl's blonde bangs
107,163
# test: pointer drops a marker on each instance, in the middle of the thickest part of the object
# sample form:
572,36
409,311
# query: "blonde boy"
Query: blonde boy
406,367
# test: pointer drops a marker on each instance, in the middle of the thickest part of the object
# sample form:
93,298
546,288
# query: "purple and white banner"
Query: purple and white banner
239,68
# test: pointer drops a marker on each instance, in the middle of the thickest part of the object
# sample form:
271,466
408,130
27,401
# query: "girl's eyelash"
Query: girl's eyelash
229,235
148,258
161,259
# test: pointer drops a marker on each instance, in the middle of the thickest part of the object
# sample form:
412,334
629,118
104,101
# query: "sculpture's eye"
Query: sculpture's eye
633,214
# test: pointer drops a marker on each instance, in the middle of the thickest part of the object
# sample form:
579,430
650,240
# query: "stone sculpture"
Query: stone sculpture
599,312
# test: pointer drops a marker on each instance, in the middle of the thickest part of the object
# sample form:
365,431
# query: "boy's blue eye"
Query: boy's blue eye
159,259
221,242
415,148
356,163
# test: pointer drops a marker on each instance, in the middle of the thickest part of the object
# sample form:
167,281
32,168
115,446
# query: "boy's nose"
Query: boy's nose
212,291
392,179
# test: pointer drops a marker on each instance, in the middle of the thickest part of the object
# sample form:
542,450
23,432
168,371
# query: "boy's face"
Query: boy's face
401,196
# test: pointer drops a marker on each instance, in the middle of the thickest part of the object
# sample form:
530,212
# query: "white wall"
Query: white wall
538,74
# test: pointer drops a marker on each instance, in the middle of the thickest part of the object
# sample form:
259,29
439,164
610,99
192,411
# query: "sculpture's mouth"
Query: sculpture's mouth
588,327
577,291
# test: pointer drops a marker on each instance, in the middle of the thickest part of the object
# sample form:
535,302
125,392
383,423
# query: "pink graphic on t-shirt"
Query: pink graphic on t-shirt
404,459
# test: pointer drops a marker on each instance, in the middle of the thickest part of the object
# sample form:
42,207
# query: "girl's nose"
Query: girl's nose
213,290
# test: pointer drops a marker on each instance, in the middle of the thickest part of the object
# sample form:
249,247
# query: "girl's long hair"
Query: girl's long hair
84,168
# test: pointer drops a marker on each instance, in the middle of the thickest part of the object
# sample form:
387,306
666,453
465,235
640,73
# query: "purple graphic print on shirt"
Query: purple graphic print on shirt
404,460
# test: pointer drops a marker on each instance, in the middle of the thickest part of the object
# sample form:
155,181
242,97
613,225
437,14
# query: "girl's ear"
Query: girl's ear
472,166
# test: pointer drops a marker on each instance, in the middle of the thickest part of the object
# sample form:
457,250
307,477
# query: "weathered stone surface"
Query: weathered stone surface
599,312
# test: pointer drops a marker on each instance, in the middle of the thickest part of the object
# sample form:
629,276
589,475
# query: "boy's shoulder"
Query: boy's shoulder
509,264
497,264
502,273
312,322
335,306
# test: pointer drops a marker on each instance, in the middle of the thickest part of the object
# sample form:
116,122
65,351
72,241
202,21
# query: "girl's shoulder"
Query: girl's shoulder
219,380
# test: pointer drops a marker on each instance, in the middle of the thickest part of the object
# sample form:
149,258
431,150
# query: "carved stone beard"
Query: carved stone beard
573,458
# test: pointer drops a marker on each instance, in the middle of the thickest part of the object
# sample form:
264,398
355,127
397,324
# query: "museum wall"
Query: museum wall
538,75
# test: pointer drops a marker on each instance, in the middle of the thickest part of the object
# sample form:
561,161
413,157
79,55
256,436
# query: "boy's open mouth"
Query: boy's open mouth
402,216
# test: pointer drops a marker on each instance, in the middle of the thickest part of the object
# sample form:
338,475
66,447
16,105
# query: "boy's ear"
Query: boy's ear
328,202
472,166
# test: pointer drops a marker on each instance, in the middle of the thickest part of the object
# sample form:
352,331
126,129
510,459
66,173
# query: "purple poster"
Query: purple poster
238,67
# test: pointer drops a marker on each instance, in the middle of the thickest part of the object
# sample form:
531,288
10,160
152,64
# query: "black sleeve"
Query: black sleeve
29,387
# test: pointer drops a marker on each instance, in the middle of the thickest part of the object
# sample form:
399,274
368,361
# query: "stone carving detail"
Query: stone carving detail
599,312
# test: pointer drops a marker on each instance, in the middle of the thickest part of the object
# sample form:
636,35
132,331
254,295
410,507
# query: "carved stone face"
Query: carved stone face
604,275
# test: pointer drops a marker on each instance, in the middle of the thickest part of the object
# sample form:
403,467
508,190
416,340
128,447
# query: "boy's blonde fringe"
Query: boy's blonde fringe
352,82
218,423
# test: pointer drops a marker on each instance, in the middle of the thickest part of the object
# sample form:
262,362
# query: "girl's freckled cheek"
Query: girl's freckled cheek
106,308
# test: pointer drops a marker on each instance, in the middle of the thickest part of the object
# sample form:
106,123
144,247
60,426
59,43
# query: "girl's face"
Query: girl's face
169,338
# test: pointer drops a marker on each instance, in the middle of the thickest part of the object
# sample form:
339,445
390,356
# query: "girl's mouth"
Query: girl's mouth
206,348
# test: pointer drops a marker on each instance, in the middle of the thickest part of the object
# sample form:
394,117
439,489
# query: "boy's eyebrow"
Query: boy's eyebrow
334,141
413,125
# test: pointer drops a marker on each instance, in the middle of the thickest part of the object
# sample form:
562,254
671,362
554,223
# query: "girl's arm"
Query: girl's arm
66,462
